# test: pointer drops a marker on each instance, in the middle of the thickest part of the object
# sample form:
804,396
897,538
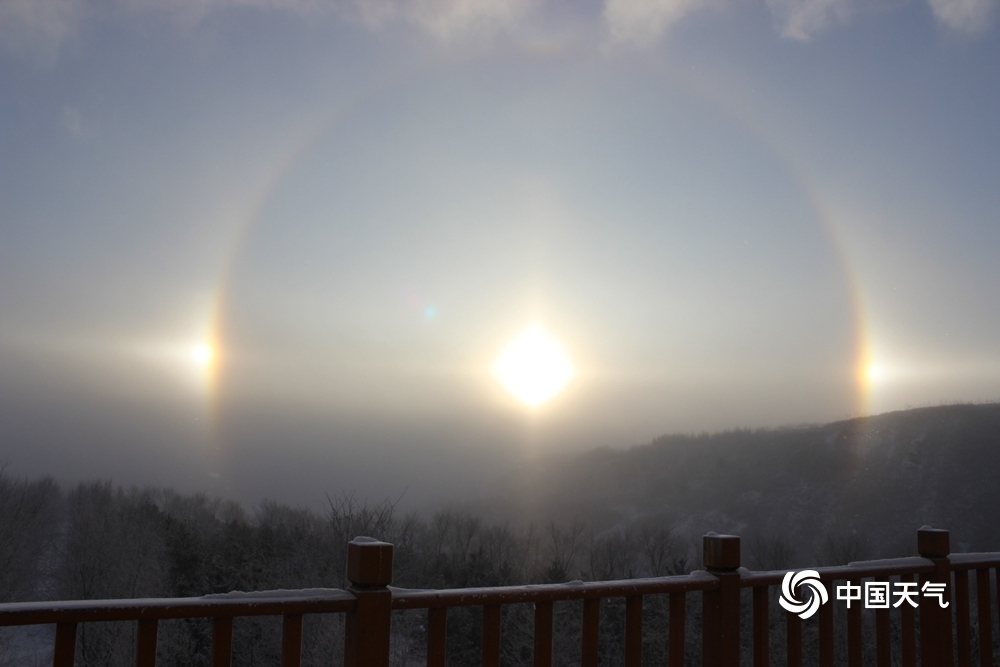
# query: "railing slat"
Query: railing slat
145,643
985,617
678,630
491,635
222,641
761,627
437,636
996,577
291,640
65,649
590,633
854,630
930,647
793,639
962,618
883,647
633,631
907,630
826,630
543,634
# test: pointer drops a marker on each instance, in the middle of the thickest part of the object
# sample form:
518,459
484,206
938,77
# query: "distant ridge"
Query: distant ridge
853,488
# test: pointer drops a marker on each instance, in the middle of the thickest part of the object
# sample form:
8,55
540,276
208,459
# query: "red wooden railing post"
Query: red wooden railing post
720,636
936,644
366,636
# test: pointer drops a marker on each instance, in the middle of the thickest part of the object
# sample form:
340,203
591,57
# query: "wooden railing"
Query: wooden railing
944,633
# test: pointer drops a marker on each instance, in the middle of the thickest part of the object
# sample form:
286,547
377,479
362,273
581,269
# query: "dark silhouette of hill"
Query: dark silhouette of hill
852,489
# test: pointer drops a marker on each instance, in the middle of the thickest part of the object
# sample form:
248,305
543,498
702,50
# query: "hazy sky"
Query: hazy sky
275,247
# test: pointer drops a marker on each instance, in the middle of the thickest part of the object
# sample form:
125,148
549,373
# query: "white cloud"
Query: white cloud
641,22
801,19
965,15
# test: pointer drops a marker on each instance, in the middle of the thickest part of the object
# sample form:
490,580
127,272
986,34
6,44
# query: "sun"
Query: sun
534,367
202,354
875,373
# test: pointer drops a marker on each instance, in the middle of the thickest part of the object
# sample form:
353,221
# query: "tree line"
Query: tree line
97,540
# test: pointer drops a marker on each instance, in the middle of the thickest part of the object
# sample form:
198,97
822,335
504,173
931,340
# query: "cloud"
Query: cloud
444,19
801,19
642,22
36,28
72,121
42,25
965,15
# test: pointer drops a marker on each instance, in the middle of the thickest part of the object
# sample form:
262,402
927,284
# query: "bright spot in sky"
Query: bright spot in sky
534,367
202,354
874,373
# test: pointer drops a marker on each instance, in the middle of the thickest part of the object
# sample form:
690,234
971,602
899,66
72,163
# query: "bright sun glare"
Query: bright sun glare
534,367
202,354
874,373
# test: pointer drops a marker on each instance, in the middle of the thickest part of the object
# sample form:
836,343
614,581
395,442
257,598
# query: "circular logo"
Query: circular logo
817,593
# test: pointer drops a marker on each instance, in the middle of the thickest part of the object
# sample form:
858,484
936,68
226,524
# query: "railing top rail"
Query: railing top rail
874,568
330,600
858,570
974,561
265,603
403,598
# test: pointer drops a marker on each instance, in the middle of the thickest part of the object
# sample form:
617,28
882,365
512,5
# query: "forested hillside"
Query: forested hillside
852,489
99,541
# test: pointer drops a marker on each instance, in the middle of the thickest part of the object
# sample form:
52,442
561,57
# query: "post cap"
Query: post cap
933,542
369,562
721,552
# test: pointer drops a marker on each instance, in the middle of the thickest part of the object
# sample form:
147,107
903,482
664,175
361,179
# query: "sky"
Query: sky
277,248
